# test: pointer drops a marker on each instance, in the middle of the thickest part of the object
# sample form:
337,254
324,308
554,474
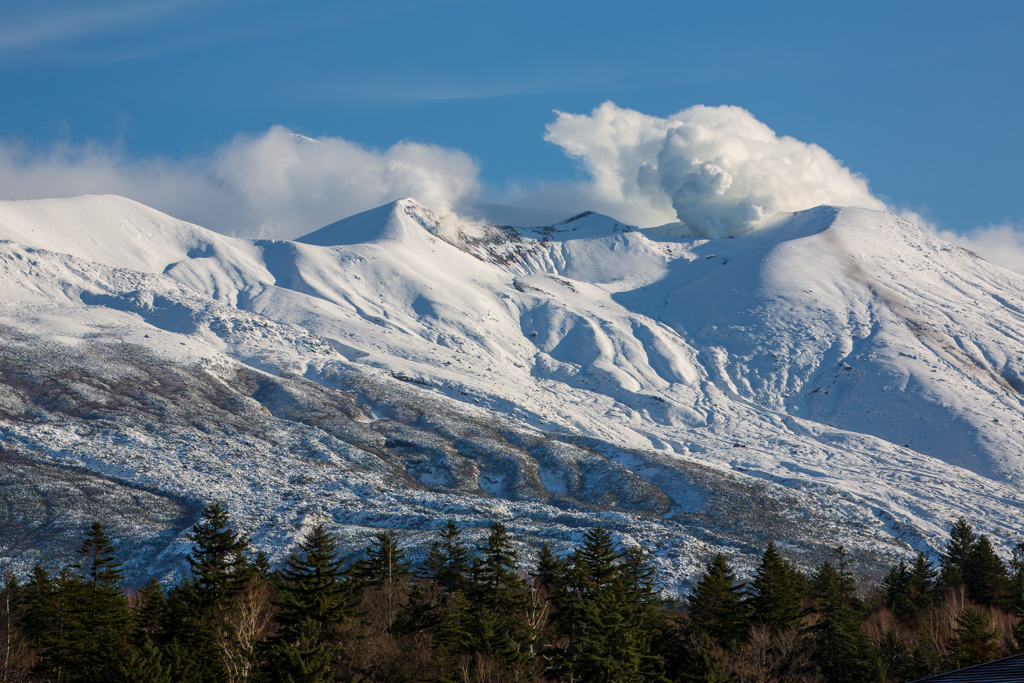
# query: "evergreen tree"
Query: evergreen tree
312,601
897,586
774,597
447,562
716,605
454,634
147,617
199,609
597,619
220,568
841,651
908,588
495,573
922,583
94,639
550,570
895,657
974,641
1015,599
646,618
985,574
384,564
954,559
499,600
924,659
143,665
41,610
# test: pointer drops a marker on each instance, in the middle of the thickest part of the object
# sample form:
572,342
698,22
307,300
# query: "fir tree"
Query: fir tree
954,559
40,605
143,665
985,574
454,631
774,597
550,570
894,657
922,583
199,609
1015,598
499,599
147,617
716,605
384,564
974,641
219,565
312,601
908,588
97,616
645,612
598,616
842,653
447,562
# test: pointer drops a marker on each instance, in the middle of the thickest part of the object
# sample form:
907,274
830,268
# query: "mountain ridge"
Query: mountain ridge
848,361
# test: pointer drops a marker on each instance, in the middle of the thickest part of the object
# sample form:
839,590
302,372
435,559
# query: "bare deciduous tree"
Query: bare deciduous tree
247,624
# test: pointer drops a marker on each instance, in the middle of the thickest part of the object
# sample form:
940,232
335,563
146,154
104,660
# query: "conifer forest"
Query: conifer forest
475,614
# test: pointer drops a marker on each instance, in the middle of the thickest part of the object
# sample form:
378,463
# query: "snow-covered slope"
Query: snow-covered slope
843,362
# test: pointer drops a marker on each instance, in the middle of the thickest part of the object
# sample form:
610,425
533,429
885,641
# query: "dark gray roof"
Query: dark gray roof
1006,670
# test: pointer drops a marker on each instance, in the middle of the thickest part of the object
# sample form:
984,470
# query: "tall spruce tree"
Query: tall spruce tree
498,601
220,568
384,563
148,615
922,583
985,574
601,645
974,640
200,608
447,562
774,595
1015,600
312,602
954,559
841,651
42,611
95,638
716,605
550,570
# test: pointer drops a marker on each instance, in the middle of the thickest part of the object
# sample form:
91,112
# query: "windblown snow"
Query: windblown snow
836,376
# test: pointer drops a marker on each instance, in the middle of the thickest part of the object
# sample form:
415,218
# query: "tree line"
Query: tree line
473,614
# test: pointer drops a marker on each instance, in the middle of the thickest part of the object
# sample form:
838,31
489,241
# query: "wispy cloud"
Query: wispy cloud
1003,244
46,25
276,184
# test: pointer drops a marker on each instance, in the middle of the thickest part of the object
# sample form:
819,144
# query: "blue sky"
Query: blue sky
924,99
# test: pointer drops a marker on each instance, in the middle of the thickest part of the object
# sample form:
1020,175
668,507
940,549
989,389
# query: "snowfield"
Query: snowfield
836,376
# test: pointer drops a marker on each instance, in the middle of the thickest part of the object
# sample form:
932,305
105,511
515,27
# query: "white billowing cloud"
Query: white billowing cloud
1002,245
275,184
718,170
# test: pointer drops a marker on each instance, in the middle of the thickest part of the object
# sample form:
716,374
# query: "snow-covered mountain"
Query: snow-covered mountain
839,375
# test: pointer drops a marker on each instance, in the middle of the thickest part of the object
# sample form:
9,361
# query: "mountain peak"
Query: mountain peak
108,229
389,221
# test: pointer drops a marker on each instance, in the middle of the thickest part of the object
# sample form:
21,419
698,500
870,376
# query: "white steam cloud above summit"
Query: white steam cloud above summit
277,184
718,170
